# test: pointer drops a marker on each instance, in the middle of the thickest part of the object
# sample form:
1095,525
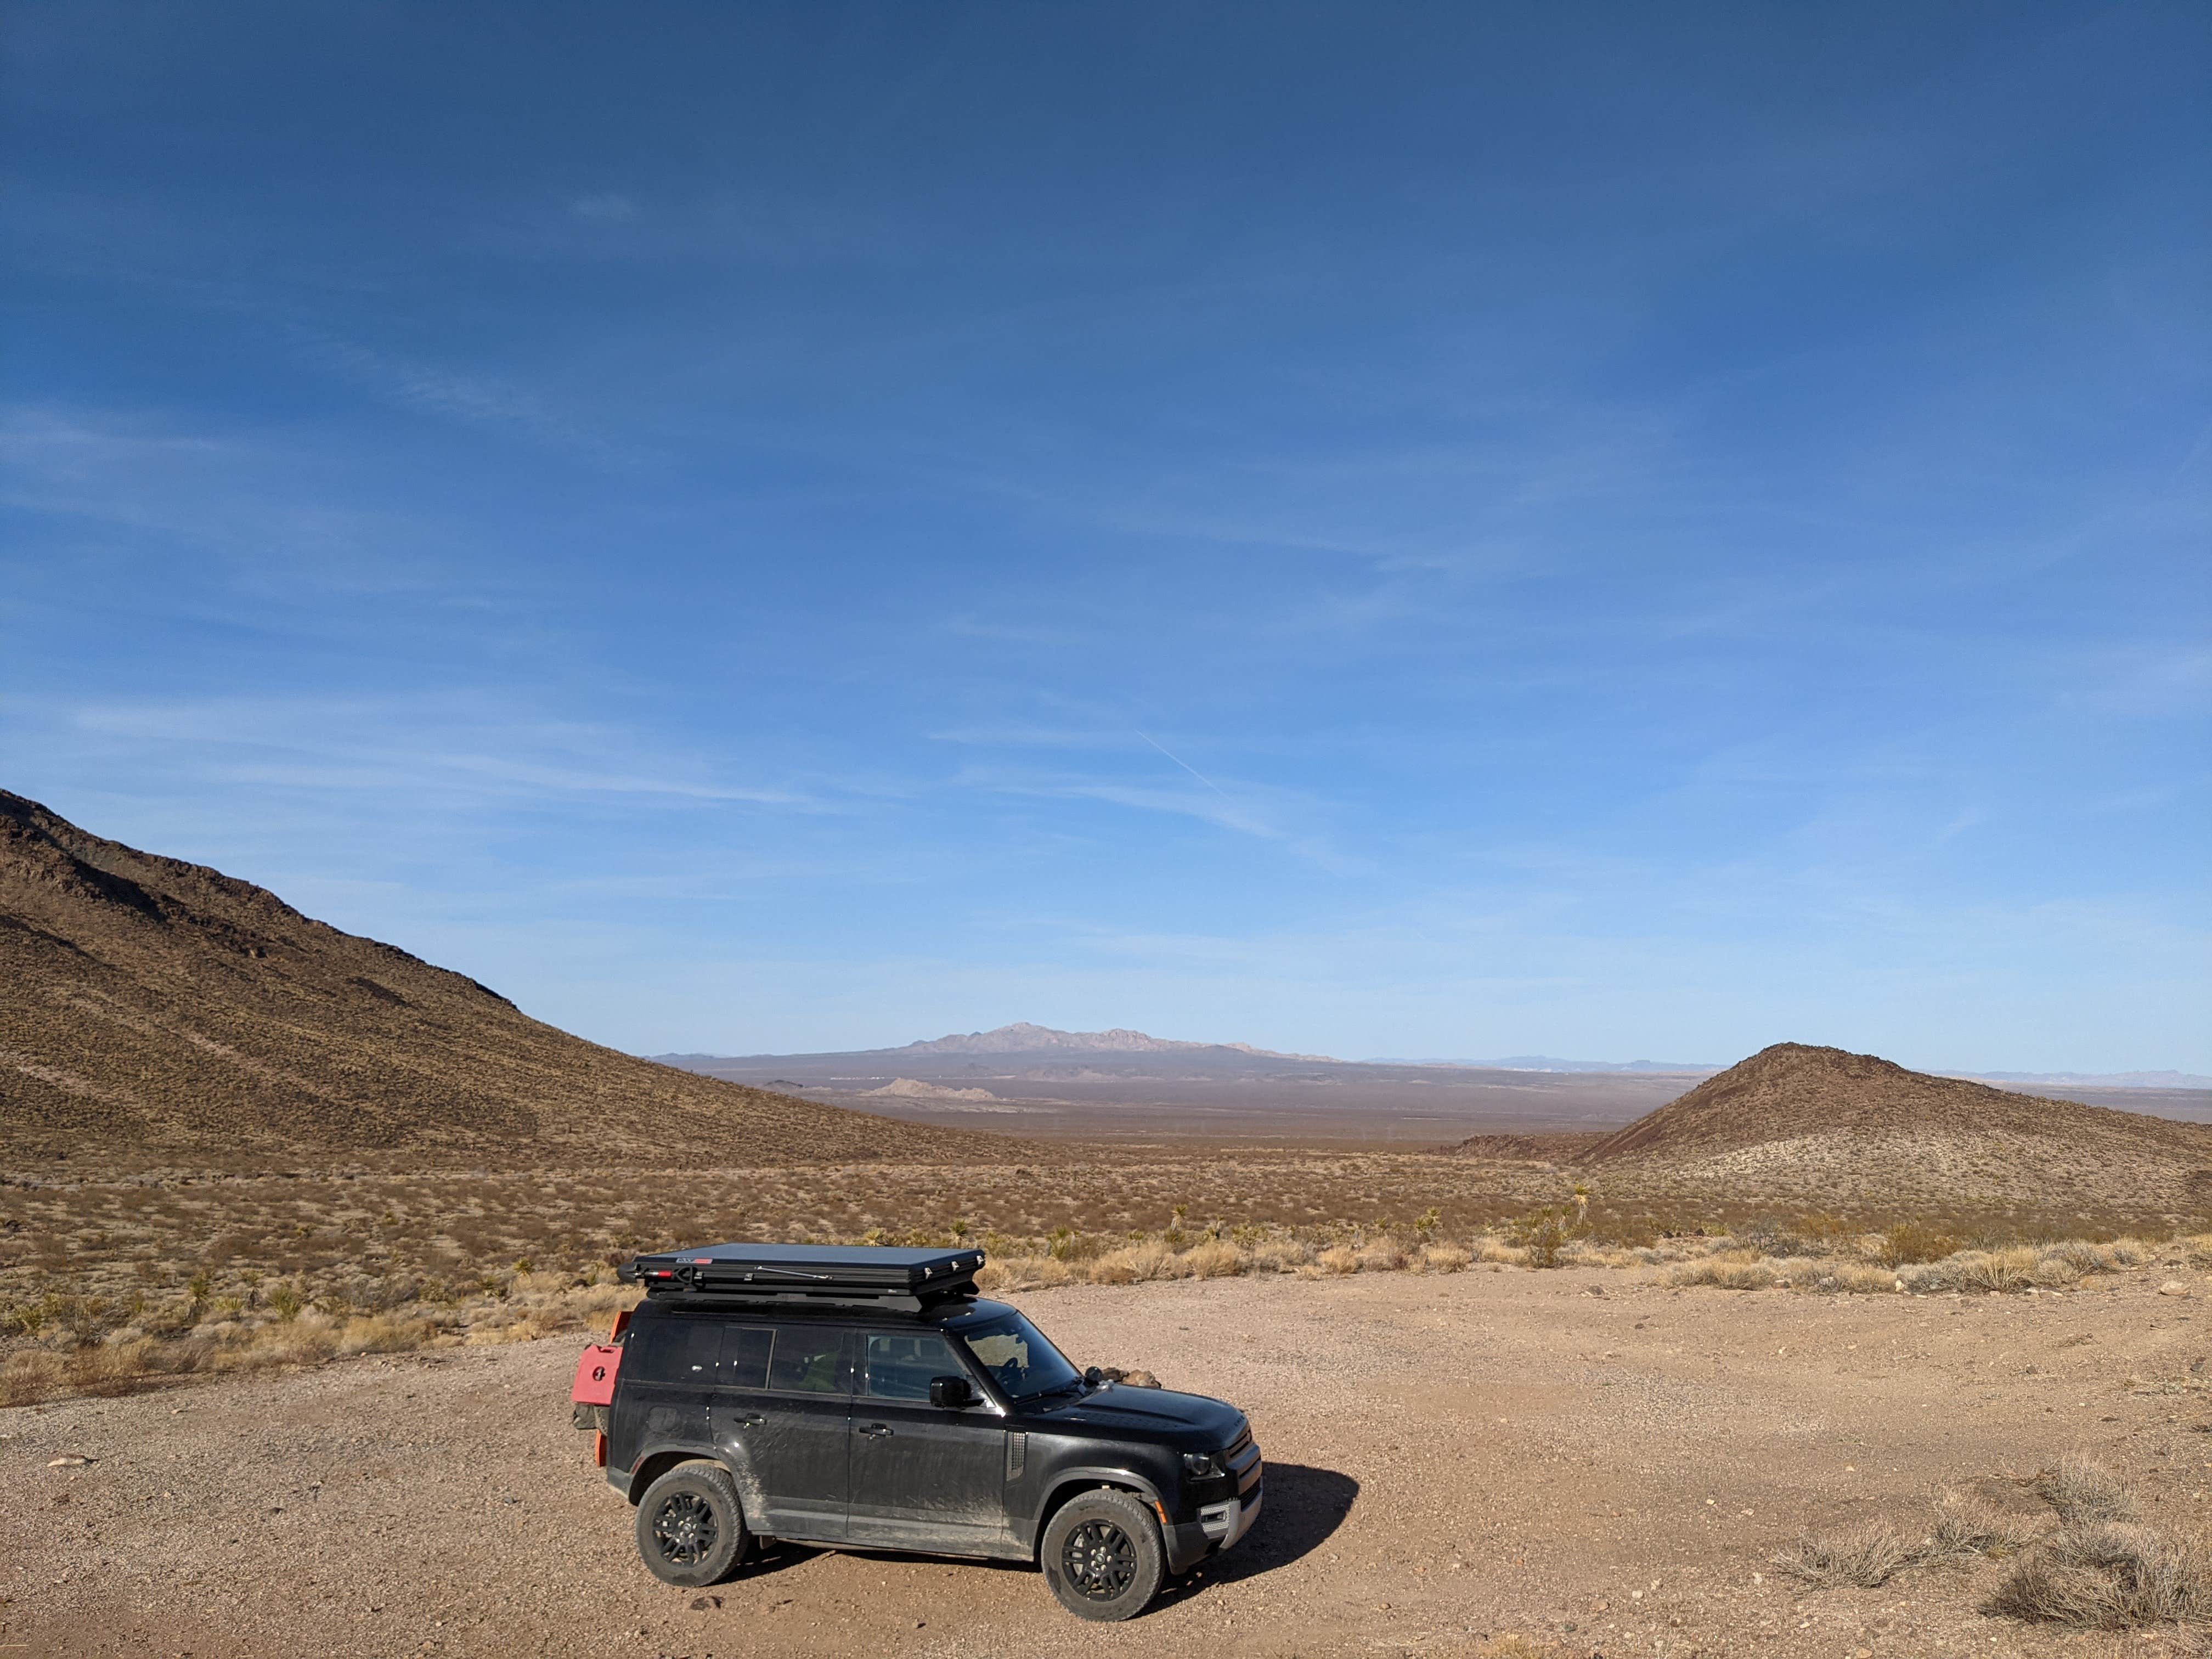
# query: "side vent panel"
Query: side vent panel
1017,1454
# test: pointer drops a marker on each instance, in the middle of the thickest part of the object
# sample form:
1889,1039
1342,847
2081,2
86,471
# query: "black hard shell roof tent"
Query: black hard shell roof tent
832,1275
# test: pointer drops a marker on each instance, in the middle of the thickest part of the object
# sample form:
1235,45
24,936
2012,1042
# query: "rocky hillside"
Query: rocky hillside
155,1012
1813,1123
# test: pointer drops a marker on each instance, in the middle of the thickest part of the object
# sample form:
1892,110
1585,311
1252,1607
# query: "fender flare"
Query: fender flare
686,1451
1087,1475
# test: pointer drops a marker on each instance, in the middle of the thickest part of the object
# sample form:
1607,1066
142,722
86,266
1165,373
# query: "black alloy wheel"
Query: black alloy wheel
1103,1554
690,1526
1099,1560
684,1528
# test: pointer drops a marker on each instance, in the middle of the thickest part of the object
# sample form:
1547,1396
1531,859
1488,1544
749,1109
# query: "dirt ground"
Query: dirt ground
1590,1462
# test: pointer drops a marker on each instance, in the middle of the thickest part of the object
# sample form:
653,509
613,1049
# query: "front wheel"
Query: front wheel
690,1526
1103,1555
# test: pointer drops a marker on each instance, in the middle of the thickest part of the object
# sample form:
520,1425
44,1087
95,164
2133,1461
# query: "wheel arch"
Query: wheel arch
1071,1484
657,1462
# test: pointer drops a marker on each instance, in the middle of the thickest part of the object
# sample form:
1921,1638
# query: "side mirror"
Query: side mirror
951,1392
1094,1377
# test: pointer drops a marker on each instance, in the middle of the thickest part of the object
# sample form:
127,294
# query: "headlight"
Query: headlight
1199,1465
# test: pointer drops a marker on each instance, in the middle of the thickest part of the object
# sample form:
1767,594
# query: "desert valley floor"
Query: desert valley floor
1507,1463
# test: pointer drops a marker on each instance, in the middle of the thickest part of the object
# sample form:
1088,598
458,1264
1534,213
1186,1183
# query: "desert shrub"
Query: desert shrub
1965,1530
1851,1278
1216,1259
1542,1236
1725,1272
1908,1242
1992,1272
2054,1270
1866,1557
285,1300
1135,1264
1445,1258
2082,1493
1383,1256
1491,1250
1281,1254
2108,1576
382,1333
1338,1258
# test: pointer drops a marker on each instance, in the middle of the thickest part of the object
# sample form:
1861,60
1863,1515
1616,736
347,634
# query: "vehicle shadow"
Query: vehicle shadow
1305,1505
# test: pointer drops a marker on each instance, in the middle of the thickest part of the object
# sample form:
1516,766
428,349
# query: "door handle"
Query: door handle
751,1420
875,1430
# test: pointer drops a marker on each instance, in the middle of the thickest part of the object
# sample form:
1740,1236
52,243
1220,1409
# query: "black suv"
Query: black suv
869,1399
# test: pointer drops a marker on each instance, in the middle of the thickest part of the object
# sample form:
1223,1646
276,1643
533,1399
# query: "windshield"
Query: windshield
1019,1359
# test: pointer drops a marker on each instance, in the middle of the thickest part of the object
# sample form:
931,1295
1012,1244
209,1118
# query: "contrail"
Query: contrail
1183,763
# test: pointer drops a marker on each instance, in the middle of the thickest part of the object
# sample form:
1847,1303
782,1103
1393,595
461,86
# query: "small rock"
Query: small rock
2173,1287
69,1461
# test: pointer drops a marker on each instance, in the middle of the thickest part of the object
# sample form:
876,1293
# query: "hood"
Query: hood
1195,1420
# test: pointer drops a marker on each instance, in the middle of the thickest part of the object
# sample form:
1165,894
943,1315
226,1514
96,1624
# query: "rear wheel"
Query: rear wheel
1103,1555
690,1526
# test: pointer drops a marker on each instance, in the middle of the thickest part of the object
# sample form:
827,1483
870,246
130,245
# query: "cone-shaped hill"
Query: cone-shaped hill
157,1012
1816,1124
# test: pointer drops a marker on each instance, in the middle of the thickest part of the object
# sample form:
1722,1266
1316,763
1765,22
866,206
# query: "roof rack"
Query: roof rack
875,1276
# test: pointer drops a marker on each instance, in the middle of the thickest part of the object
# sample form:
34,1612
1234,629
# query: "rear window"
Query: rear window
700,1351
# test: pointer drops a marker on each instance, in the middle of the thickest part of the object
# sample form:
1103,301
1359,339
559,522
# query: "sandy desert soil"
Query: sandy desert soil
1594,1463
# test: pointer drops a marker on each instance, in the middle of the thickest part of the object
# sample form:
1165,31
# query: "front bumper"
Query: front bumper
1218,1528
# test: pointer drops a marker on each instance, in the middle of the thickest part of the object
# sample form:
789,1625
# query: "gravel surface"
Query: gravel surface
1592,1464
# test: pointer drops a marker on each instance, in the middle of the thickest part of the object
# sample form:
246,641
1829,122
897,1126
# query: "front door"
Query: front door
923,1477
783,1419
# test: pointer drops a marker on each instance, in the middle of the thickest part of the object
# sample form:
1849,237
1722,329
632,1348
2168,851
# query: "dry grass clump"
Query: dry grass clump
1897,1260
1383,1256
1867,1557
1964,1530
2082,1493
1138,1264
1445,1258
2097,1570
1338,1258
2109,1576
2100,1571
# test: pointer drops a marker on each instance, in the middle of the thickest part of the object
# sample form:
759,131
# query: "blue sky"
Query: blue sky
1407,529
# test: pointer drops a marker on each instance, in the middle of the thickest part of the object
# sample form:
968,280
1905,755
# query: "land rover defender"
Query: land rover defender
870,1398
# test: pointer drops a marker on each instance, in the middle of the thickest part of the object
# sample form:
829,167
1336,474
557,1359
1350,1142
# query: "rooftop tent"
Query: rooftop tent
884,1276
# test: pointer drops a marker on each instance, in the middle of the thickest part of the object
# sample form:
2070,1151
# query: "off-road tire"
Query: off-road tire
690,1526
1103,1556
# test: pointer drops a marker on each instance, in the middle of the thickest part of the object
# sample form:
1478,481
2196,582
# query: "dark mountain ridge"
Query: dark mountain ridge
157,1011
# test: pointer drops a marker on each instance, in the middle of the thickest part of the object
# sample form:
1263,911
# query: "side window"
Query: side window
808,1360
900,1365
744,1355
695,1359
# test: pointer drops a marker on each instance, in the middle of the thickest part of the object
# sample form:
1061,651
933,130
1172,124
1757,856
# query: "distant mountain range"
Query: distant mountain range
1039,1043
1552,1063
1023,1038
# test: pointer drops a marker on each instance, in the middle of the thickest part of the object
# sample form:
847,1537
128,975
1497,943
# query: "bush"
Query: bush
1542,1236
1866,1558
1338,1258
1912,1242
1384,1255
1216,1259
2107,1576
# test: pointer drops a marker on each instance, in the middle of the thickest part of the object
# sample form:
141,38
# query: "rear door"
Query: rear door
783,1422
923,1477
